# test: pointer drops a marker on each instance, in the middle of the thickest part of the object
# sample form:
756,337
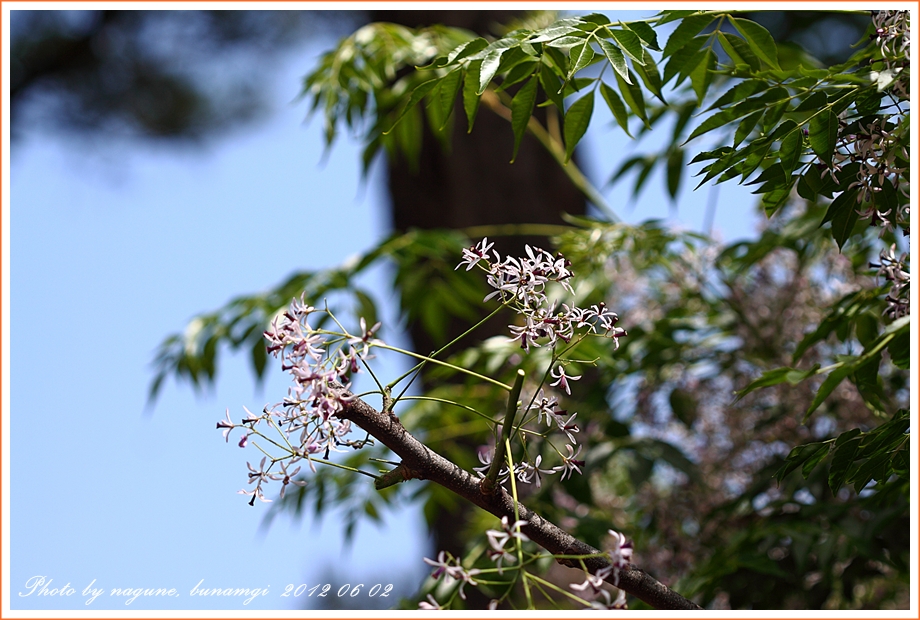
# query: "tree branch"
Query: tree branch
419,461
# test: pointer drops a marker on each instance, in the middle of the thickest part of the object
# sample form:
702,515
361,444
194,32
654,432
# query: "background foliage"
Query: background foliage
751,433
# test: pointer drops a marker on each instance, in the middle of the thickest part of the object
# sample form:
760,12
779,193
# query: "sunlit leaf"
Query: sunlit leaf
488,68
615,56
629,42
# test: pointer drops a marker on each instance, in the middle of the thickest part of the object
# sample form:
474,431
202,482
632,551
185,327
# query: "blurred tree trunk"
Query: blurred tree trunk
474,184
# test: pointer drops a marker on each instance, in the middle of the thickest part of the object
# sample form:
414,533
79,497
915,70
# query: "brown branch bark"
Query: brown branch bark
422,463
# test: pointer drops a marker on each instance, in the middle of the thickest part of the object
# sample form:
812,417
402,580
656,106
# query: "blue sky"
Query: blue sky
116,246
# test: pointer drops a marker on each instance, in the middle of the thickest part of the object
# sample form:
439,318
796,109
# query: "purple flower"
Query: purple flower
227,425
562,380
569,463
472,255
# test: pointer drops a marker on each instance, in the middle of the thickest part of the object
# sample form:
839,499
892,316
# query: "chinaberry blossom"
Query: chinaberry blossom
430,605
521,282
562,380
499,538
321,365
450,566
570,463
527,472
896,272
620,555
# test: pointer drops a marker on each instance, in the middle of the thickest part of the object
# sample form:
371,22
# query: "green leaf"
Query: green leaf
740,92
577,119
803,187
688,28
417,95
552,86
581,56
701,75
673,16
813,101
895,330
594,19
739,51
772,177
776,376
842,215
899,349
868,382
467,49
615,56
566,42
447,94
746,126
797,457
675,170
846,310
488,68
774,199
759,38
719,119
822,132
684,406
648,72
845,450
629,42
812,461
521,111
773,114
632,94
680,64
645,32
648,164
518,73
554,31
616,107
877,467
625,167
259,357
790,151
470,96
830,383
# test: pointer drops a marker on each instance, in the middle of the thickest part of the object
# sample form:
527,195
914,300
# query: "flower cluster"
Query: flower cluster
498,539
620,555
520,283
895,270
446,564
877,144
307,419
892,35
881,158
